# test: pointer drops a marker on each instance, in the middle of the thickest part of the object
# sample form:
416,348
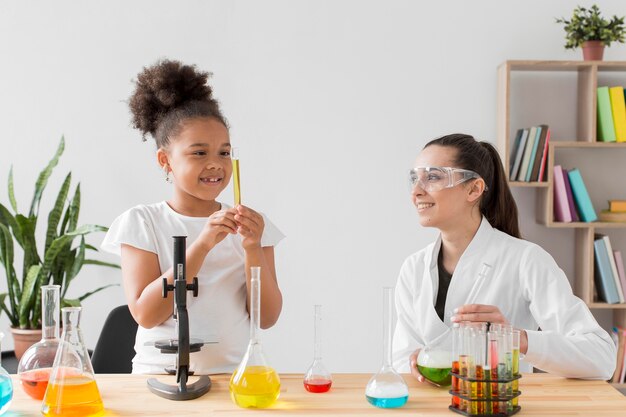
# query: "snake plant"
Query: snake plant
58,261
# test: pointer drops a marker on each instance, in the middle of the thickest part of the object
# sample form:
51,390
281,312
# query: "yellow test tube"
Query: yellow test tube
234,154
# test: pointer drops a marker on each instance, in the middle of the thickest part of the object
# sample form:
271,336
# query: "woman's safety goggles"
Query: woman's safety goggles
437,178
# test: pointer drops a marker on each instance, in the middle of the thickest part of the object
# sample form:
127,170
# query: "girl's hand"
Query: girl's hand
480,313
250,226
219,225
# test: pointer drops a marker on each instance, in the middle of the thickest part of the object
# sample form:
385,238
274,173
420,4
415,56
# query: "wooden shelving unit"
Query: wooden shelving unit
585,140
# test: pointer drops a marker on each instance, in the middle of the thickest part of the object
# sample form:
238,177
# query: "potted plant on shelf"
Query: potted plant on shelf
55,261
589,30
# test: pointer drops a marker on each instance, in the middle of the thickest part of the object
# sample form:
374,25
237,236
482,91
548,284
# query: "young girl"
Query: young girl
173,103
459,187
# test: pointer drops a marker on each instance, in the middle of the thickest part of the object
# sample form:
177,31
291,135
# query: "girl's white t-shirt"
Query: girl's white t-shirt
218,313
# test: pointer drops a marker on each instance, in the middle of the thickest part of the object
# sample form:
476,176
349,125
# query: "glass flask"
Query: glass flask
6,386
72,389
36,363
317,378
254,384
434,362
387,389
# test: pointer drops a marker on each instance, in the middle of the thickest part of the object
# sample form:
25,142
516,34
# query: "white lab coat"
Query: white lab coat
528,287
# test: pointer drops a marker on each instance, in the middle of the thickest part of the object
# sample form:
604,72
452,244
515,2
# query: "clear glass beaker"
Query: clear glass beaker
6,386
36,363
254,384
317,379
72,390
387,389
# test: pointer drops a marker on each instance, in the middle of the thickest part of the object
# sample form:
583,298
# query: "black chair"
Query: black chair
115,350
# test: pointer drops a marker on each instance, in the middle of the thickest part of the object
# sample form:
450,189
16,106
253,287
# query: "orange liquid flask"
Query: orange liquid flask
72,389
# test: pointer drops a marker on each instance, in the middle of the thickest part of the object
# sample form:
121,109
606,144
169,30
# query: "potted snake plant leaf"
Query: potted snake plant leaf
57,260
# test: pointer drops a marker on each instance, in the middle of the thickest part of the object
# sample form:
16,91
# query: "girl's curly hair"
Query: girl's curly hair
166,94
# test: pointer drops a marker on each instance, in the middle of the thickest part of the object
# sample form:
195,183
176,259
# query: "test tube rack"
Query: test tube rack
488,399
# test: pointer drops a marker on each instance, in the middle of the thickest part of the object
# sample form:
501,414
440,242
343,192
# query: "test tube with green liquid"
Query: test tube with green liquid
234,155
516,343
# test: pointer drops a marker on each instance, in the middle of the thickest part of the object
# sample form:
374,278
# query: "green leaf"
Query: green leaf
77,264
55,213
29,244
12,191
95,262
90,293
8,220
70,303
28,295
42,180
6,247
90,247
74,209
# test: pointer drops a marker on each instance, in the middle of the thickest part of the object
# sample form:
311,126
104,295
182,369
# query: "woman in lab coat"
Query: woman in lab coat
459,187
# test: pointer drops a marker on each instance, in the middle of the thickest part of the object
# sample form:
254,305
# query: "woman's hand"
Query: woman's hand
480,313
483,313
415,372
219,225
250,226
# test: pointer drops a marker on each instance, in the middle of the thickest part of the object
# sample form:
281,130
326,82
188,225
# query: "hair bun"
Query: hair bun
163,87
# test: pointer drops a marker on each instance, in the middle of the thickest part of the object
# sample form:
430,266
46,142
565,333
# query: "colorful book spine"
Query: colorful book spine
516,142
518,157
544,158
619,262
617,205
561,208
534,176
611,256
581,197
606,129
530,144
603,274
570,197
533,154
618,109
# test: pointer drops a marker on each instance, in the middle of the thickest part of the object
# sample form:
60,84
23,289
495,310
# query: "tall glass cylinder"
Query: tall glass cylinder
387,389
456,344
254,384
515,348
36,363
317,379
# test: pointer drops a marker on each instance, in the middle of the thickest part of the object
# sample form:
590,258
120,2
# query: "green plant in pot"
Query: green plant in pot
589,30
58,260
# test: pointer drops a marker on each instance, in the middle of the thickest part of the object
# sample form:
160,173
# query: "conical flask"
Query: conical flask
254,384
387,389
6,387
72,389
317,378
36,363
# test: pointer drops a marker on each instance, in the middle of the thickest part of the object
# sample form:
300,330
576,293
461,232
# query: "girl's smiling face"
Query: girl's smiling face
198,159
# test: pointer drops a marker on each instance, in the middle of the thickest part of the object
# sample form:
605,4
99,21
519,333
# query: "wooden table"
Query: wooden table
542,395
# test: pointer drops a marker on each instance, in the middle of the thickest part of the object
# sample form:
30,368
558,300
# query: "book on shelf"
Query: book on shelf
618,375
538,157
519,152
617,205
530,145
561,206
618,109
606,129
603,274
570,197
611,256
583,202
612,216
533,155
619,262
544,158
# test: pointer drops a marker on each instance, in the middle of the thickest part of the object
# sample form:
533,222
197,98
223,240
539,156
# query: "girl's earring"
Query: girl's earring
167,174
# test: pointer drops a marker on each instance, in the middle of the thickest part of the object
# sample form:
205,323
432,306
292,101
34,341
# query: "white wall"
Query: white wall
330,102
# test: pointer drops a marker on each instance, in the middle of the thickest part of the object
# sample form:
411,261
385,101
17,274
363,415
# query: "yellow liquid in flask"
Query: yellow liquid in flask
256,387
73,397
